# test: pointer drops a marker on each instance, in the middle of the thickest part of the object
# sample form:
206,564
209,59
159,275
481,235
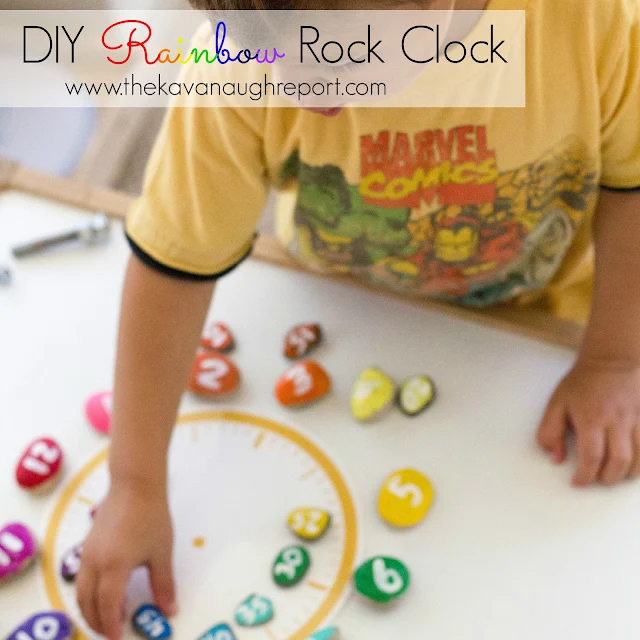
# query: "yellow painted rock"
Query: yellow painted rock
372,393
416,394
308,523
405,498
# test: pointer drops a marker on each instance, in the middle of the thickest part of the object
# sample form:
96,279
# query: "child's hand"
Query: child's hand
132,528
601,402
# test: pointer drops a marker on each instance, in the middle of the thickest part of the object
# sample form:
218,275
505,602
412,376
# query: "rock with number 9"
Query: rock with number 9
149,622
40,466
290,566
382,579
213,374
255,611
405,498
219,632
309,524
44,626
372,393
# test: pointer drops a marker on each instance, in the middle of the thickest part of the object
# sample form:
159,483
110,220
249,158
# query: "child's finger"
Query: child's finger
635,468
87,583
619,455
591,453
111,596
163,585
552,431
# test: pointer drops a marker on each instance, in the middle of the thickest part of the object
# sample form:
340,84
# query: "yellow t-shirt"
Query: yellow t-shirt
471,206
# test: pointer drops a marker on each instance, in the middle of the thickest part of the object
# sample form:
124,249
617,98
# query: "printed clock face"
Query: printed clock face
233,481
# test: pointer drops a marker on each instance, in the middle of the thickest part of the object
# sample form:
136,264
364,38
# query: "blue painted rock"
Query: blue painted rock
70,564
44,626
150,622
330,633
18,548
254,611
219,632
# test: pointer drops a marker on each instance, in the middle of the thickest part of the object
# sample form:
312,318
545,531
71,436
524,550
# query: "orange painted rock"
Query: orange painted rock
40,465
213,375
302,339
218,337
304,382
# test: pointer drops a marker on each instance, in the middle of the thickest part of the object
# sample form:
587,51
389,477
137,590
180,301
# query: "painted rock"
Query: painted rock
302,383
218,337
44,626
382,579
330,633
98,409
40,465
219,632
416,394
302,339
70,564
372,393
213,374
150,622
18,548
309,524
254,611
290,566
405,498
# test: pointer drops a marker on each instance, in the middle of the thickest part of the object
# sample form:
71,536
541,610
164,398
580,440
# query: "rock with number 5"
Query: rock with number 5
40,466
330,633
218,337
308,523
256,610
149,622
302,339
302,383
416,394
18,548
382,579
44,626
405,498
219,632
213,374
372,393
291,566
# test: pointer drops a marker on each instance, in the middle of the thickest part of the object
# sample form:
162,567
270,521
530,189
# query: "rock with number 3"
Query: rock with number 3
382,579
302,339
18,548
219,632
217,337
213,374
302,383
44,626
330,633
405,498
291,566
255,611
40,466
309,524
149,622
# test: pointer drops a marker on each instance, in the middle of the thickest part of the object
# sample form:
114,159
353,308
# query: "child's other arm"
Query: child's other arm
600,397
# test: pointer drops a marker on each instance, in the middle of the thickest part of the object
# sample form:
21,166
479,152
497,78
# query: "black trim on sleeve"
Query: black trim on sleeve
621,190
151,262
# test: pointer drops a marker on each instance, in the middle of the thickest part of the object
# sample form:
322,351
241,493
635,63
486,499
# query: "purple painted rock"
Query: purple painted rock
18,548
70,564
44,626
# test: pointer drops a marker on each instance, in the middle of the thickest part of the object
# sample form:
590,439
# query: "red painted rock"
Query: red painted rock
18,548
40,465
302,339
213,374
304,382
98,410
218,337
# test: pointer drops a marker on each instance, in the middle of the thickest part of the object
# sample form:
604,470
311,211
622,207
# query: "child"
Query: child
563,178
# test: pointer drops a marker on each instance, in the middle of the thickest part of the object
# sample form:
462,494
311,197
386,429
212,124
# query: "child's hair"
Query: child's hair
250,5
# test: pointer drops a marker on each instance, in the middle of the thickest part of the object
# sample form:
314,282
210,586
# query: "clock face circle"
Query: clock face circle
233,481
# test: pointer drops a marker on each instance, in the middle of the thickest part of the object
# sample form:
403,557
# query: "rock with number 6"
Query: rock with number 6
18,548
405,498
416,394
44,626
213,374
149,622
256,610
40,466
308,523
217,337
382,579
372,393
330,633
302,339
219,632
302,383
290,566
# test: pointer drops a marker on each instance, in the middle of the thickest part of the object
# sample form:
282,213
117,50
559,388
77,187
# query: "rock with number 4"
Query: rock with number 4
308,523
70,564
416,394
149,622
98,410
330,633
51,625
40,466
302,339
218,337
382,579
372,393
18,548
405,498
219,632
290,566
255,611
213,374
302,383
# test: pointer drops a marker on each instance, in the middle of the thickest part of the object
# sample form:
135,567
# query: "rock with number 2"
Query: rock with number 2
382,579
149,622
219,632
51,625
18,548
213,374
254,611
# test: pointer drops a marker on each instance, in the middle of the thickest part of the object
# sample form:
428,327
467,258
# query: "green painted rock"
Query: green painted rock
416,394
291,566
254,611
382,579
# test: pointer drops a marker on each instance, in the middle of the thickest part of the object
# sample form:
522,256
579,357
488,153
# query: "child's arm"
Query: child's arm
160,326
600,397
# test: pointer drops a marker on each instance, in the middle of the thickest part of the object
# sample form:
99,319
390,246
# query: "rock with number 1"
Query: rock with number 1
382,579
219,632
291,566
149,622
40,466
51,625
18,549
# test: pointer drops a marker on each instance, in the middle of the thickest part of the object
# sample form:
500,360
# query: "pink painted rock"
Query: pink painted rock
18,548
98,410
40,465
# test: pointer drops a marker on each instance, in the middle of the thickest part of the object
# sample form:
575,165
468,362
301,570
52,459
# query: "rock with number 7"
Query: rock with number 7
40,466
382,579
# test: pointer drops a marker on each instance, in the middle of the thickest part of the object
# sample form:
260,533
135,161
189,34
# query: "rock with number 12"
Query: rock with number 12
382,579
40,466
308,523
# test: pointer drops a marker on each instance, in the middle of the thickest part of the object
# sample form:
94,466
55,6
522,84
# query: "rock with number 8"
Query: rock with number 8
405,498
219,632
309,524
302,383
18,549
382,579
51,625
218,337
330,633
372,393
302,339
254,611
149,622
290,566
40,466
213,374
